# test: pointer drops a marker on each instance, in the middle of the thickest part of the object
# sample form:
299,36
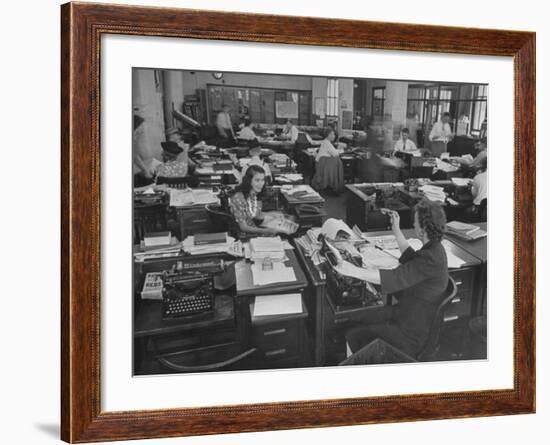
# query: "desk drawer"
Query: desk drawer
277,340
461,307
464,279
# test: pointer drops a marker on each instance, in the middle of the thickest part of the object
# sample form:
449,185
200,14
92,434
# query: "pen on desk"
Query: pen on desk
385,251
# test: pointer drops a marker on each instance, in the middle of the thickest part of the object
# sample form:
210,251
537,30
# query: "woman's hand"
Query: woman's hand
394,219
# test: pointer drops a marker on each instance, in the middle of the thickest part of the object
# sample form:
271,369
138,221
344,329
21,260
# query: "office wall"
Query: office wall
191,82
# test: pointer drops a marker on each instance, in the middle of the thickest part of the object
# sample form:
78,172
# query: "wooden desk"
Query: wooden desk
478,249
459,312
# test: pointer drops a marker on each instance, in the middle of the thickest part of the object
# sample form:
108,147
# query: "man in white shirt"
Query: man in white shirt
223,124
404,143
247,132
441,134
291,131
441,131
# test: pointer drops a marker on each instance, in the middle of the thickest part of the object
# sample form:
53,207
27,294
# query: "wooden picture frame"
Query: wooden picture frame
82,26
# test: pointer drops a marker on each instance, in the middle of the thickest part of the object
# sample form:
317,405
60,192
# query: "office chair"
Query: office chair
431,346
220,357
221,221
377,351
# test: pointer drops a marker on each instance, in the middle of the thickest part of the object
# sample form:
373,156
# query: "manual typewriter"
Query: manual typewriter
346,292
189,289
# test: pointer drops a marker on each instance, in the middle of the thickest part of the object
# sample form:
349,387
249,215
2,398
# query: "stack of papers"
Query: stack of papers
445,166
189,246
267,247
187,197
433,193
278,273
290,177
302,192
465,231
266,305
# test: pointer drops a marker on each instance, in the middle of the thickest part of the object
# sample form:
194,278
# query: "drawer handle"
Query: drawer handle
446,319
275,352
275,332
458,283
456,300
199,220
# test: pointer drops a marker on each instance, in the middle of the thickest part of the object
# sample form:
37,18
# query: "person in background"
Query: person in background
247,132
479,160
225,127
418,283
143,167
326,148
255,159
329,170
404,143
479,192
174,165
246,204
441,130
290,132
174,135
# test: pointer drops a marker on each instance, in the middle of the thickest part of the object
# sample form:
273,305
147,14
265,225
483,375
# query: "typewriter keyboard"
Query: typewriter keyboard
187,305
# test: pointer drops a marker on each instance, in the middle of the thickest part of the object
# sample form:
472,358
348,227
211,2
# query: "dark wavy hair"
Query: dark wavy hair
246,185
431,218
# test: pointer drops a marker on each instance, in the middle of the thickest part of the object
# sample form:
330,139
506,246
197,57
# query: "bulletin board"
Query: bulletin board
286,109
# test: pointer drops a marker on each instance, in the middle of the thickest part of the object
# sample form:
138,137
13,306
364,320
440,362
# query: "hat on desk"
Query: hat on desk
171,147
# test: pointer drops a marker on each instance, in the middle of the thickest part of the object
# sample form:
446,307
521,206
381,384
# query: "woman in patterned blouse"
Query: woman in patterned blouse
246,204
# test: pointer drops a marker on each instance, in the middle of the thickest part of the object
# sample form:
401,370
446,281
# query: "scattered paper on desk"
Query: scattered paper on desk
453,262
180,198
278,274
461,182
378,259
277,305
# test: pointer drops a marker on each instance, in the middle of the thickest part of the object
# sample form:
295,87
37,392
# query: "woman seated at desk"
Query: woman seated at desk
419,284
246,204
176,161
479,193
329,170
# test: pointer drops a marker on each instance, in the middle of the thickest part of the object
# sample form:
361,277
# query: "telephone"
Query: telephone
308,209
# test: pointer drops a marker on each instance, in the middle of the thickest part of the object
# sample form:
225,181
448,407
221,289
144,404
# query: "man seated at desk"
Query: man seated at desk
479,160
246,204
247,132
419,284
290,132
404,144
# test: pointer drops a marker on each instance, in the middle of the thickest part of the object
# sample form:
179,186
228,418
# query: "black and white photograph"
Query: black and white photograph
291,221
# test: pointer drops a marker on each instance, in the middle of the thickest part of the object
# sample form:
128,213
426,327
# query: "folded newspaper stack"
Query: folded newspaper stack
465,231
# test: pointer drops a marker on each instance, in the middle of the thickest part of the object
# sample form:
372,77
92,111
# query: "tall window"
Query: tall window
479,112
378,98
332,97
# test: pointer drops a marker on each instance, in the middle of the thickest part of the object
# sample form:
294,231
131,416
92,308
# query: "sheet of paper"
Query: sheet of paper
278,274
277,304
453,262
180,198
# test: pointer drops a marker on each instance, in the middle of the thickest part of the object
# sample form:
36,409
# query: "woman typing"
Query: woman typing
418,283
